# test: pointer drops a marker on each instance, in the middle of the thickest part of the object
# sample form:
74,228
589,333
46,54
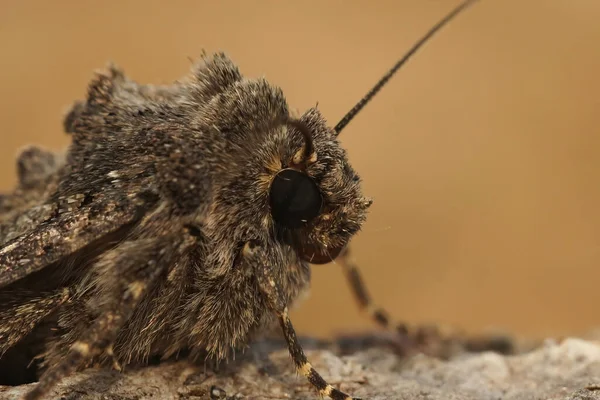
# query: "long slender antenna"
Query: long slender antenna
363,102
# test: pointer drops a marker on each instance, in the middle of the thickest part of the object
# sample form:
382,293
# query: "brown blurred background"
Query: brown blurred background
481,155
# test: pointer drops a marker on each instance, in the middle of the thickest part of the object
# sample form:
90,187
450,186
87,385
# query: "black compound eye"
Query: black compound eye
295,198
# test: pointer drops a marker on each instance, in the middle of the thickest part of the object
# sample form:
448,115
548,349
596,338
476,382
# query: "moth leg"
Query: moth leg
429,338
366,304
259,261
127,273
24,312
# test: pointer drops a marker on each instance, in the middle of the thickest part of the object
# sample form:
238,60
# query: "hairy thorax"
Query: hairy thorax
212,316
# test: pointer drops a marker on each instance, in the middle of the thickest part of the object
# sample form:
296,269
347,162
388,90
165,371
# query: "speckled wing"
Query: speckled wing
77,221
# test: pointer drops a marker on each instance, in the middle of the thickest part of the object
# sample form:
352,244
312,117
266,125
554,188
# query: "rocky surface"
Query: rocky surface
371,369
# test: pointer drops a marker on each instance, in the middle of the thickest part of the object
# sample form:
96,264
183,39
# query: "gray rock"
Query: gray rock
566,370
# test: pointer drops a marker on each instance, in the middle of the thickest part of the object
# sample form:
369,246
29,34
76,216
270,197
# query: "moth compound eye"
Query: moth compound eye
295,198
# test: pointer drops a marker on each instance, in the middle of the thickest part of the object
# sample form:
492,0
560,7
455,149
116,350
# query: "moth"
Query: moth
182,216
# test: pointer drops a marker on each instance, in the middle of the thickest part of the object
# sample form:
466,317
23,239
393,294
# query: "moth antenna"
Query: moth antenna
363,102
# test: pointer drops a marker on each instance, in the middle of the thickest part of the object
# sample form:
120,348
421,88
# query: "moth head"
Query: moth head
315,198
288,177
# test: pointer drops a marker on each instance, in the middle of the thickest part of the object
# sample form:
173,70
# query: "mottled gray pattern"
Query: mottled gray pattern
181,170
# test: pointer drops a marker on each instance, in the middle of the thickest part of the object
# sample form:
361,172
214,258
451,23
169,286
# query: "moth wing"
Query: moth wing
69,230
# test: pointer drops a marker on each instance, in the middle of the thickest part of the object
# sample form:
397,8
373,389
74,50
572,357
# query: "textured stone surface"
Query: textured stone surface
566,370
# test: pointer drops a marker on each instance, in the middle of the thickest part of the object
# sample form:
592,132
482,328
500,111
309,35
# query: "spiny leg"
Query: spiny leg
261,264
303,365
23,312
128,272
362,296
428,339
95,340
